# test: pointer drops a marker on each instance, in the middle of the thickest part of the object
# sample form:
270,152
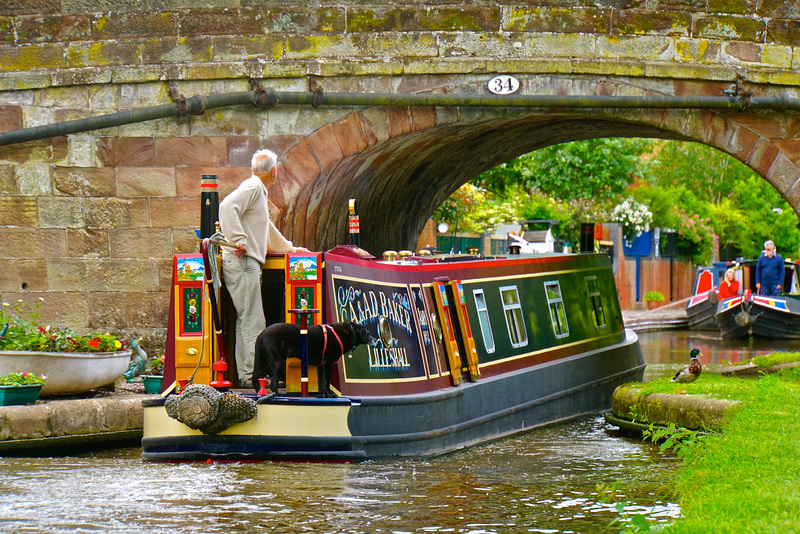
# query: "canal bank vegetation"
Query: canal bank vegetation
711,200
743,479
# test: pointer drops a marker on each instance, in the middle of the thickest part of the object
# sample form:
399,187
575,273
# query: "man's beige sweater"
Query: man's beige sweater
244,218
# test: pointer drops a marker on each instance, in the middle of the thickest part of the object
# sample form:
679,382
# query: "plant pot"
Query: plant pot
152,383
13,395
653,304
67,372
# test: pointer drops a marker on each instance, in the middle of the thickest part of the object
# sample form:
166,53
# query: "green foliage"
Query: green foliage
655,296
760,203
686,443
25,333
696,237
594,168
775,358
156,365
679,164
708,384
627,522
22,379
745,480
709,198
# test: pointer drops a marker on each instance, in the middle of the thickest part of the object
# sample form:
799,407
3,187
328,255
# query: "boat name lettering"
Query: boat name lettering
388,359
364,307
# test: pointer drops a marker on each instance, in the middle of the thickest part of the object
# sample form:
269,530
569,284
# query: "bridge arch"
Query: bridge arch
402,162
90,221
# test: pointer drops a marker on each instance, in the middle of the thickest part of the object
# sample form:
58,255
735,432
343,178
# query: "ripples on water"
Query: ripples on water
665,352
544,481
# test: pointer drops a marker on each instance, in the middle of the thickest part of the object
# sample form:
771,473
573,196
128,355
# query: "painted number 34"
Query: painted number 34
503,85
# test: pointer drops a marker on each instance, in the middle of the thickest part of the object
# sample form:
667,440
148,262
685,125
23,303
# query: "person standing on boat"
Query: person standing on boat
244,219
769,272
729,287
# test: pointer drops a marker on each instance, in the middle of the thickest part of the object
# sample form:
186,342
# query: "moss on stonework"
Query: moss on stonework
328,20
364,21
736,7
452,20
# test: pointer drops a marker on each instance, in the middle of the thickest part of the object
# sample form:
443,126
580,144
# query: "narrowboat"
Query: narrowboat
702,305
753,315
472,349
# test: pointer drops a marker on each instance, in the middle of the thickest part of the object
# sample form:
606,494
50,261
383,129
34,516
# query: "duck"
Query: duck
689,373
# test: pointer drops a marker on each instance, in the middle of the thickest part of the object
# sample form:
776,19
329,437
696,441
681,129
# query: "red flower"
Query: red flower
94,343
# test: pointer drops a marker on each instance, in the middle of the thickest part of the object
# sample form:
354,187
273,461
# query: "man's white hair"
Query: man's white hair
263,161
769,243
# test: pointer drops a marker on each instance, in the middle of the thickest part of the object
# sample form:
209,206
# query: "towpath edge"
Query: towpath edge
67,424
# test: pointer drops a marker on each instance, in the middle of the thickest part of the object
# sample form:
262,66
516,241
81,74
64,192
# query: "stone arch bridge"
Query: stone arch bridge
90,220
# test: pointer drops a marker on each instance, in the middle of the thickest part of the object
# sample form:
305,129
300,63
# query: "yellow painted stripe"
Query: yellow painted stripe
551,349
272,420
473,281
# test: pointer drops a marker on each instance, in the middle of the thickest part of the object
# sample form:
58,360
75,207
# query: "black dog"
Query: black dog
326,344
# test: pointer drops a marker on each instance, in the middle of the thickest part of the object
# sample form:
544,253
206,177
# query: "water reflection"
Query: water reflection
544,481
665,352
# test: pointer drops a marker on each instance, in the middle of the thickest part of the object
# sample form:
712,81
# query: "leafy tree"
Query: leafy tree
595,168
707,196
711,173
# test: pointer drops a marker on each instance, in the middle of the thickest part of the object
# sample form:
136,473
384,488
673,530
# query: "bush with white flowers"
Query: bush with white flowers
634,217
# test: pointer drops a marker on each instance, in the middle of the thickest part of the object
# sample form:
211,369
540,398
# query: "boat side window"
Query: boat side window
595,302
513,312
483,319
556,304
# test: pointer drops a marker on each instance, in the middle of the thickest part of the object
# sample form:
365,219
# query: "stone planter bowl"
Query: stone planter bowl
67,372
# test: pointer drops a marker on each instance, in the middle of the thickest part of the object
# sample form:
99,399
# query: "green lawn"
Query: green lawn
746,479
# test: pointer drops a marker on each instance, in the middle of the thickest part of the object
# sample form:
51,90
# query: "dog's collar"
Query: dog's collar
325,329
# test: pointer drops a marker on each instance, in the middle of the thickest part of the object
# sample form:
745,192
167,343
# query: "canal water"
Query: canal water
543,481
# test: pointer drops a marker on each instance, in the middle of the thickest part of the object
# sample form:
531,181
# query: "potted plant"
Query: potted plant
20,388
654,299
73,362
153,380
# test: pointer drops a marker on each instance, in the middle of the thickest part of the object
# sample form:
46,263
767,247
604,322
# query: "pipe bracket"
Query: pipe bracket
315,87
179,99
738,95
265,98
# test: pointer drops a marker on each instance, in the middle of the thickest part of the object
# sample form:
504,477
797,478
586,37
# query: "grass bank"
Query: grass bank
746,479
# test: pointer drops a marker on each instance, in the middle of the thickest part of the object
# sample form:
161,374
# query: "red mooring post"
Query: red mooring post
303,313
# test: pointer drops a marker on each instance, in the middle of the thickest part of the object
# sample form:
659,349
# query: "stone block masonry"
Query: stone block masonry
59,424
89,222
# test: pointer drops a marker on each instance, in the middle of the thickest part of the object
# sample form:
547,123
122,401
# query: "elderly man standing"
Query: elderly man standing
244,219
769,272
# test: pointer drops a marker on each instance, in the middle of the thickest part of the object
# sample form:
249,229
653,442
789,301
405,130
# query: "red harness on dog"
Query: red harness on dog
325,329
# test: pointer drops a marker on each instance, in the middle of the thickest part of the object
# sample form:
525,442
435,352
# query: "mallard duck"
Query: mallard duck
690,372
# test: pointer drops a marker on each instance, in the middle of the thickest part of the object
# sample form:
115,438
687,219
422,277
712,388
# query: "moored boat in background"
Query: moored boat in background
759,316
702,305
